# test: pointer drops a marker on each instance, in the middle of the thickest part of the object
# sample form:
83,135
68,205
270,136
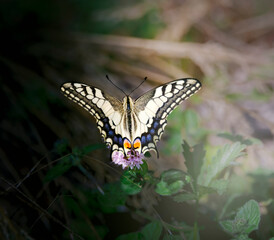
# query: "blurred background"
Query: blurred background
228,45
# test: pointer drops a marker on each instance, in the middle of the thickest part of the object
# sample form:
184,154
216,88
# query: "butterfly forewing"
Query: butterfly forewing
153,107
106,109
149,111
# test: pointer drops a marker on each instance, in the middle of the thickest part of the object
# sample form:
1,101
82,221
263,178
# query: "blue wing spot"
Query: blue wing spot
115,139
107,127
120,141
152,131
149,138
111,133
143,140
105,120
155,124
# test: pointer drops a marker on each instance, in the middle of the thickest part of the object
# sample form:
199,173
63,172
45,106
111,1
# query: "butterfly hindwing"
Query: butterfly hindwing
153,107
106,109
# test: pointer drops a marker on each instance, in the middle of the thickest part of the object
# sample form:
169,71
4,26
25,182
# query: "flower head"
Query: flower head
132,159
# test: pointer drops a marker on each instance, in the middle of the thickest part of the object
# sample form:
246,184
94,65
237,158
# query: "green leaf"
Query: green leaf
249,213
193,159
131,182
164,189
172,175
239,138
223,158
183,197
171,182
228,226
152,230
246,220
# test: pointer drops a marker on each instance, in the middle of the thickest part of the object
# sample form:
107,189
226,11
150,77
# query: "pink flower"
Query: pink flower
118,158
132,159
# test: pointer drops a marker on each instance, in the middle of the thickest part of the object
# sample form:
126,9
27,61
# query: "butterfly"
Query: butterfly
132,125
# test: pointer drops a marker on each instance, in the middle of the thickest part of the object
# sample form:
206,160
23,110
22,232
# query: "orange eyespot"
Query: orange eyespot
127,144
137,144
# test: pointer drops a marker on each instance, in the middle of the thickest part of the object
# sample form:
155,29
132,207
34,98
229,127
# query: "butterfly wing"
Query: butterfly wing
106,110
153,107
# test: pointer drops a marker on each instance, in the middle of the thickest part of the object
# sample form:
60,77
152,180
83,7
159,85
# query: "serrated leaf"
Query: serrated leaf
172,175
152,230
193,159
223,158
228,226
162,188
183,197
246,220
171,182
250,213
165,189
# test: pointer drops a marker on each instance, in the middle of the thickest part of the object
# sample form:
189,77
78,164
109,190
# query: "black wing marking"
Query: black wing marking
106,110
153,107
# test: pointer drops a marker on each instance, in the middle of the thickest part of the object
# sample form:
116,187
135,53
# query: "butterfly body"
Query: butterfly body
132,125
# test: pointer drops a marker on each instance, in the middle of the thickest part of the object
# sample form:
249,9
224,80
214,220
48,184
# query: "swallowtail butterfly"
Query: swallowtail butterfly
129,124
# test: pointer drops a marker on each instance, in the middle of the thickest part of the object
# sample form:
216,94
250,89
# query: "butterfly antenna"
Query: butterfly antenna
138,86
116,85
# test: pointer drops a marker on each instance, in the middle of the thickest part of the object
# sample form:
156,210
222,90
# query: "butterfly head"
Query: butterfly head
135,145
